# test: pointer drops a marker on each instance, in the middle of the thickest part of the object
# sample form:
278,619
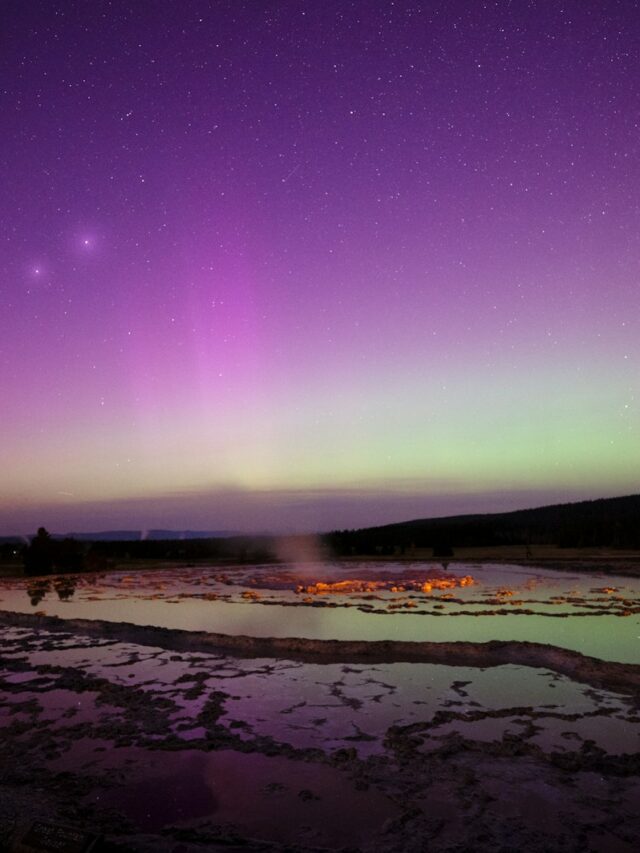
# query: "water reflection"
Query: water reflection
582,611
65,587
37,590
248,790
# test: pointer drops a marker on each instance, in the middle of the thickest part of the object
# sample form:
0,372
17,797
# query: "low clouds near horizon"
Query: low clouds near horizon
277,511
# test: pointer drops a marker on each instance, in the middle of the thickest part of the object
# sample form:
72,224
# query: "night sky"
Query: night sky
297,265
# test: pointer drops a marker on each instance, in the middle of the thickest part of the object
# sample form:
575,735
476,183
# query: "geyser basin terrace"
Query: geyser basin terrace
594,614
375,707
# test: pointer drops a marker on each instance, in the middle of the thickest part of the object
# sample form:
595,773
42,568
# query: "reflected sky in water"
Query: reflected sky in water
593,613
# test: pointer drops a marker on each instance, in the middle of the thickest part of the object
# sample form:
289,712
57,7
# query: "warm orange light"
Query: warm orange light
358,585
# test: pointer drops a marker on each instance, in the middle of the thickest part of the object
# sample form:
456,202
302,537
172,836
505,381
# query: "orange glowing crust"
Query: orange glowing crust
358,586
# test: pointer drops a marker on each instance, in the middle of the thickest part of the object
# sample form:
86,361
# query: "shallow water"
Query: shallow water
308,706
308,754
247,790
598,615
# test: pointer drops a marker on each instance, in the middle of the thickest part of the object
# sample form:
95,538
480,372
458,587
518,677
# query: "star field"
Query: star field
316,254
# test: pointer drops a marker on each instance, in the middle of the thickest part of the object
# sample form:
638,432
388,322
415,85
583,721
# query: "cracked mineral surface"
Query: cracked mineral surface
183,710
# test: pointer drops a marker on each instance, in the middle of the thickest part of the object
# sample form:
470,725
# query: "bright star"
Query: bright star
86,242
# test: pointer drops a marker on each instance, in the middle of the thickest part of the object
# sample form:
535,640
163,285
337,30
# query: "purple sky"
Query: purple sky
298,265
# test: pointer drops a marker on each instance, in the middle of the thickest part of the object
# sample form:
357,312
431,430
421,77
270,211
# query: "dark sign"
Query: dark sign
45,837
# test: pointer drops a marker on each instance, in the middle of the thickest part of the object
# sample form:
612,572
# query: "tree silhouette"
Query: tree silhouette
45,555
39,556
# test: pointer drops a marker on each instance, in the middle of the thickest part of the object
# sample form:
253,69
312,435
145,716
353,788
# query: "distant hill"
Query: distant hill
606,522
159,534
129,536
103,536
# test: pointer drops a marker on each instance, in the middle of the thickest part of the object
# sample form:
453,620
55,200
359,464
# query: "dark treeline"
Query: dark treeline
605,523
47,555
609,522
254,549
10,547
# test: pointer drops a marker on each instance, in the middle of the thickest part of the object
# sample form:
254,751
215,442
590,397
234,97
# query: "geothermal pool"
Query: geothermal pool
595,614
160,739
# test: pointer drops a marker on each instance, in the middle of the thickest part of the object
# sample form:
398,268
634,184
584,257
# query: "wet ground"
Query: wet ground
163,743
595,614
